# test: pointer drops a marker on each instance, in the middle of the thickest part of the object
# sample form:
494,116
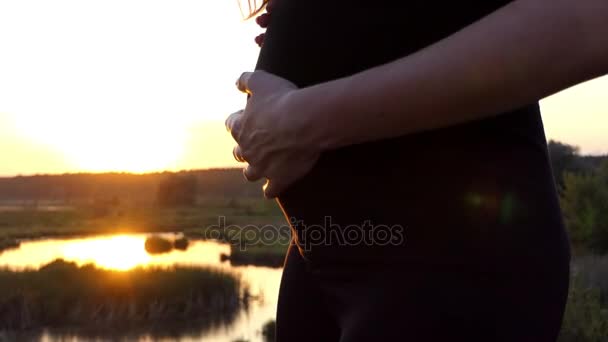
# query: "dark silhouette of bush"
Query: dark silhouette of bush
158,245
268,331
564,158
181,243
585,206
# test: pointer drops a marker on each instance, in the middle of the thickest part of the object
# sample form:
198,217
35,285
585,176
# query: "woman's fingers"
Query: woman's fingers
256,81
233,124
252,173
262,83
266,141
243,82
237,153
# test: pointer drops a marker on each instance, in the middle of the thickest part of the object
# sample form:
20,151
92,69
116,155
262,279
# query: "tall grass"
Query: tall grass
62,294
586,317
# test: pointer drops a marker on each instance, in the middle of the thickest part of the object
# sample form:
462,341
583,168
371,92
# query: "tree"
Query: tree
177,190
585,207
564,158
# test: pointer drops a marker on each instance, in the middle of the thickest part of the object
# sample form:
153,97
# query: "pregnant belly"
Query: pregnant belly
433,197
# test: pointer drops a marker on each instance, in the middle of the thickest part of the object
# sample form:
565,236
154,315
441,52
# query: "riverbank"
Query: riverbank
79,220
64,295
272,255
8,243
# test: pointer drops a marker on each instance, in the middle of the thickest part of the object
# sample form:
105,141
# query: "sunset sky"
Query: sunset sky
145,85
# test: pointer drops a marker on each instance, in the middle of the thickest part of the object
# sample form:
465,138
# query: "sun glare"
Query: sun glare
114,145
118,85
121,252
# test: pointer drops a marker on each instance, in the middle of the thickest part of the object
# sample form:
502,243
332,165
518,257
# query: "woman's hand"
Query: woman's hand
272,132
264,20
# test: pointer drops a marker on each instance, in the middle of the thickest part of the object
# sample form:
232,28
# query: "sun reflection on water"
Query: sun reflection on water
116,252
122,252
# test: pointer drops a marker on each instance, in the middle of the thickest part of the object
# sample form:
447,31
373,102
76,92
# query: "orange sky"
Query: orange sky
145,85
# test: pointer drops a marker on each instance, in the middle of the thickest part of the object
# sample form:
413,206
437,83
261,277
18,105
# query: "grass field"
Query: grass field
62,294
27,222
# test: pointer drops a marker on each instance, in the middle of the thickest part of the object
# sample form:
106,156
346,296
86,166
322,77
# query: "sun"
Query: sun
112,143
142,149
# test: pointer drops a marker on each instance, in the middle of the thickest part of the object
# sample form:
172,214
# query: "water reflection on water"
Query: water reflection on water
123,252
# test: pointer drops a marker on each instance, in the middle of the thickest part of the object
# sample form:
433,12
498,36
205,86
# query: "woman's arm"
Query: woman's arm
515,56
519,54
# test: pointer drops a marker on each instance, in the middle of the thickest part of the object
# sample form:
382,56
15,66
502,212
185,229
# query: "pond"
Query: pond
123,252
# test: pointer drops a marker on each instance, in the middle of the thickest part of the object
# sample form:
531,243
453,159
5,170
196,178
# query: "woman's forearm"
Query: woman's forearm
513,57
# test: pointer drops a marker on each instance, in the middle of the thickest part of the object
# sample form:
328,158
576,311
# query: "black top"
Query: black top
480,192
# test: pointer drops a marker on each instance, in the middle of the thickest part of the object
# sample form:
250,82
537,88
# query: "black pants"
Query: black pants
401,302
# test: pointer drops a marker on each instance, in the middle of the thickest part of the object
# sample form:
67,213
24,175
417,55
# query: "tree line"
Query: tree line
582,182
162,187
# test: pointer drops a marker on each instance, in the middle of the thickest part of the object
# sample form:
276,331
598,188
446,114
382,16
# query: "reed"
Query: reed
62,294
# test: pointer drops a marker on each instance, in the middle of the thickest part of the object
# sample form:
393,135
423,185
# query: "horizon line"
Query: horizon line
227,168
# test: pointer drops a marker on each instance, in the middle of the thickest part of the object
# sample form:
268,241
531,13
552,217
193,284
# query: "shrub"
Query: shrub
585,320
158,245
268,331
181,243
62,294
585,207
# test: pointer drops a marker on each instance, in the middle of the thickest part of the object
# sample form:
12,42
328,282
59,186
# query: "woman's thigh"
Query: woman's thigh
302,311
451,306
410,303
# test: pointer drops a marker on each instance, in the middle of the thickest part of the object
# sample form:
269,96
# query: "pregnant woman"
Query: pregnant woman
404,143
